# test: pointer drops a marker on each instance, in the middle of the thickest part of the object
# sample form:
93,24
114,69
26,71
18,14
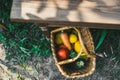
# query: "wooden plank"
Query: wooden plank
66,11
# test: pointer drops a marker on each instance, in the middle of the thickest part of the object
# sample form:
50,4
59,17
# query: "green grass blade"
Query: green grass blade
103,35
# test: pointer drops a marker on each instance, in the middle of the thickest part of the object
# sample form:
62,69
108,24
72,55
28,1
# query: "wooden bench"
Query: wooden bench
90,13
82,13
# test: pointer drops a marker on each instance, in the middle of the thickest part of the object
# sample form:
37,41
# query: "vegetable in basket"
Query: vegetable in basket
65,40
62,53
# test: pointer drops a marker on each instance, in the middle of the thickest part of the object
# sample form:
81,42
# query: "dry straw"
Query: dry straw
86,41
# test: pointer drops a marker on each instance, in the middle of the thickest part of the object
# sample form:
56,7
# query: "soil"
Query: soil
45,69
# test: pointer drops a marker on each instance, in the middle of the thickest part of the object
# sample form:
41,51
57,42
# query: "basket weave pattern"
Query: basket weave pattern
87,43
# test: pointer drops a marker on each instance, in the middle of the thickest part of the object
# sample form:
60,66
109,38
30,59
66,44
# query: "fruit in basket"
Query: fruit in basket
62,53
65,40
62,46
72,38
58,39
77,46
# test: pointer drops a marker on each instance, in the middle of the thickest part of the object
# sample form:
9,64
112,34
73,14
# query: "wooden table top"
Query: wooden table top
67,11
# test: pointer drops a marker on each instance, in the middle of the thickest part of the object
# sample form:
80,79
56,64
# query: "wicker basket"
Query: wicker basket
87,45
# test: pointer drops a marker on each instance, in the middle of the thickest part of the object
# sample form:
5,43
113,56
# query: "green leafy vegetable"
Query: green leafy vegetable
80,64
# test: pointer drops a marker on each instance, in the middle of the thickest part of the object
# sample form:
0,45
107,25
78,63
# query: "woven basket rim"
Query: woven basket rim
78,76
72,60
80,39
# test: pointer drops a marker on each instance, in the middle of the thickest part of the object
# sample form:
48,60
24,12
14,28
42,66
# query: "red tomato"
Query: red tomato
62,53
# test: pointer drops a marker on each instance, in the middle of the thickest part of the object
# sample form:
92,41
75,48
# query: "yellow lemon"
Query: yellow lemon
72,38
77,46
58,39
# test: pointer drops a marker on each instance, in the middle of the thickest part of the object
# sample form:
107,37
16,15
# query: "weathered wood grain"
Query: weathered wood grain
66,11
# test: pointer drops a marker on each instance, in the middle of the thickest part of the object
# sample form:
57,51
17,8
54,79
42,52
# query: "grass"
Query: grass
25,40
107,41
22,41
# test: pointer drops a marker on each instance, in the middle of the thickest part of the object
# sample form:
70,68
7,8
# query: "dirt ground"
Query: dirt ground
45,69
